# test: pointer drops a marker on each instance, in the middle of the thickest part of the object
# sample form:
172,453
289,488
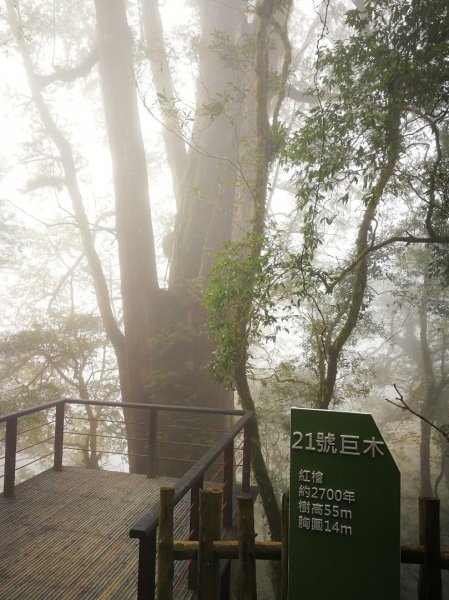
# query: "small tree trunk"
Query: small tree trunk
424,454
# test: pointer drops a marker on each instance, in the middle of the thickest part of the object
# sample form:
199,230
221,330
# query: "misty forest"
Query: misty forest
240,203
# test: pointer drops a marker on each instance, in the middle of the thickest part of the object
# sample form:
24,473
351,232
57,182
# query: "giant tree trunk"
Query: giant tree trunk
163,351
137,260
166,348
204,218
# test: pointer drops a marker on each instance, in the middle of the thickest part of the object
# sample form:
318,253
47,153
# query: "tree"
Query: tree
379,97
68,358
423,340
382,93
159,339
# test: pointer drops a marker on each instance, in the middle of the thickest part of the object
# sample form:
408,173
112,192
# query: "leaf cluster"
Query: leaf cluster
240,302
396,59
236,56
60,357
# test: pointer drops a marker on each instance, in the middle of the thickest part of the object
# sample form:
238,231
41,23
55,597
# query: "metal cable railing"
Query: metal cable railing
67,433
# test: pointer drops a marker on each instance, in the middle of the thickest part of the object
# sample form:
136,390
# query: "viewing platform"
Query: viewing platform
72,532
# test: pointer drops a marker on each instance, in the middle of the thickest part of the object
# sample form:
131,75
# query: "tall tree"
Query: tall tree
423,340
381,93
162,349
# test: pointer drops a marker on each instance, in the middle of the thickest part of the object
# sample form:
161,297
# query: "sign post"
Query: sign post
344,536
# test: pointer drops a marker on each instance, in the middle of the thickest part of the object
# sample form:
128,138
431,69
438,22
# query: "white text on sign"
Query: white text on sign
330,443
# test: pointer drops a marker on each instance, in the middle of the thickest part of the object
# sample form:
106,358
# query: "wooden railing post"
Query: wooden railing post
152,443
430,586
421,590
59,436
165,564
247,550
246,466
228,481
284,547
10,457
210,531
146,578
194,529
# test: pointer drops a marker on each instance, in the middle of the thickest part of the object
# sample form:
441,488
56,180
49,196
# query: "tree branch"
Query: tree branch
404,239
68,75
402,404
69,168
335,348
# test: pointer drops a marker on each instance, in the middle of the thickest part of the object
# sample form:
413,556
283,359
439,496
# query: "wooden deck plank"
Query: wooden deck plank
66,535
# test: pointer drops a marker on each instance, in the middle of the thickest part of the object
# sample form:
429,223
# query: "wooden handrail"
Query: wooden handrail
247,550
145,529
228,478
188,549
148,523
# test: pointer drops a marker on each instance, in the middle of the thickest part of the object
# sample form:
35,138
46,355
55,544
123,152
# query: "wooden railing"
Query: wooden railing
12,433
53,417
145,530
209,548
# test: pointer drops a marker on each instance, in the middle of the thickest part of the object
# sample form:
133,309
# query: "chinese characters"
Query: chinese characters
323,509
330,443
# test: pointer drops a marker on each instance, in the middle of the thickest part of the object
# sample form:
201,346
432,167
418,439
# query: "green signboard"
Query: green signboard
344,537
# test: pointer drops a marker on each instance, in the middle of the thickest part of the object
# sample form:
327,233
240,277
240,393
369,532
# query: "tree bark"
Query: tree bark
428,407
204,220
265,13
160,68
334,347
163,351
137,259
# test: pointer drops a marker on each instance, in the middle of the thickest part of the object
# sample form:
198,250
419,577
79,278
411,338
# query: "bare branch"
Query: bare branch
402,404
68,75
67,161
404,239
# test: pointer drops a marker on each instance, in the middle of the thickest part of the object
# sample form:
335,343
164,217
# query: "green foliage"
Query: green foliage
394,60
217,106
347,151
67,356
438,178
57,338
239,301
390,69
234,56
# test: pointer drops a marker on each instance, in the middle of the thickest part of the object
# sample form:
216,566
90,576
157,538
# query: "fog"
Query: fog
230,204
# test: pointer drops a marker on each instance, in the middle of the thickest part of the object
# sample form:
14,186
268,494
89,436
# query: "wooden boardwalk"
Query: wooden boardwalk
65,535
